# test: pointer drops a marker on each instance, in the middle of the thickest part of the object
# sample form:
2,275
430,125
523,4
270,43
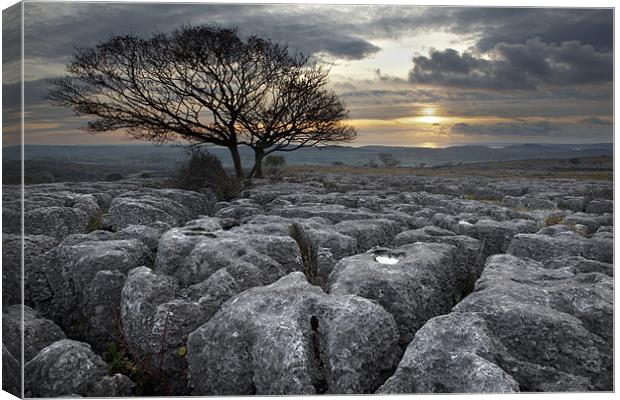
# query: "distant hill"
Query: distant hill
155,155
49,171
90,162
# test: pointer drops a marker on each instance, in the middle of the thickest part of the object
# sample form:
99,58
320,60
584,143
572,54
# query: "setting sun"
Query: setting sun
429,119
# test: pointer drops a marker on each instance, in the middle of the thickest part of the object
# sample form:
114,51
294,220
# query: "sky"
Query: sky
409,75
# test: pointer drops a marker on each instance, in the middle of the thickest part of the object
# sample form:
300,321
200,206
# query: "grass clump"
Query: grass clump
309,254
554,219
94,222
119,362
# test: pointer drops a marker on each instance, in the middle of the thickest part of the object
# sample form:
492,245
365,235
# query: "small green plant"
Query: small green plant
309,254
119,362
94,223
554,219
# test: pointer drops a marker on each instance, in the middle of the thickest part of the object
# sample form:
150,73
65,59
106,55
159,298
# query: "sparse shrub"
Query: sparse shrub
274,160
337,163
309,254
554,219
574,161
204,170
114,177
332,187
94,223
388,159
274,166
145,175
580,229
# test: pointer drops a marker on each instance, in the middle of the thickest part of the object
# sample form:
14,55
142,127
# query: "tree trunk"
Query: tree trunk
234,153
257,171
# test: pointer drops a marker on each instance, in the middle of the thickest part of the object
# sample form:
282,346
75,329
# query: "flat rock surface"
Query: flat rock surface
320,282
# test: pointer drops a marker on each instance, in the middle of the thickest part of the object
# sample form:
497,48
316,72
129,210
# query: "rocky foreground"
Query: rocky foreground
398,284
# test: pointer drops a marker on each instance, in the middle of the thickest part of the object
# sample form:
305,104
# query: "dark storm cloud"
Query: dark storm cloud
50,28
509,25
340,31
523,66
491,26
569,65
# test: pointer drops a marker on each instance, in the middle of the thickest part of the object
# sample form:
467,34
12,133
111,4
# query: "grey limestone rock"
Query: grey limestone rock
369,233
414,282
292,338
156,322
86,279
67,367
56,222
543,247
453,353
38,332
600,206
525,328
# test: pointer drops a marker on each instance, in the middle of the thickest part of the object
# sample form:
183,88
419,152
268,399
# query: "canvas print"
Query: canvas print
296,199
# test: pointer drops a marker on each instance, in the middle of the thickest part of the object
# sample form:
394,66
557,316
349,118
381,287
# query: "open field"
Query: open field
588,168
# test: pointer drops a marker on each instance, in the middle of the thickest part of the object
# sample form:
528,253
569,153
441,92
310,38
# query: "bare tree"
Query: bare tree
203,84
297,111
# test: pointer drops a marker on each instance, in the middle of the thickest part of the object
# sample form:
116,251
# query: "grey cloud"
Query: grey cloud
11,43
539,128
516,25
595,121
37,108
409,95
340,31
51,27
525,66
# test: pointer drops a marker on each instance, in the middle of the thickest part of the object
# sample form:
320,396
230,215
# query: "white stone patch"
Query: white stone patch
387,260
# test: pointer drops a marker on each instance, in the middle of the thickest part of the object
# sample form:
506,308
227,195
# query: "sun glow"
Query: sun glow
429,116
429,119
429,145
